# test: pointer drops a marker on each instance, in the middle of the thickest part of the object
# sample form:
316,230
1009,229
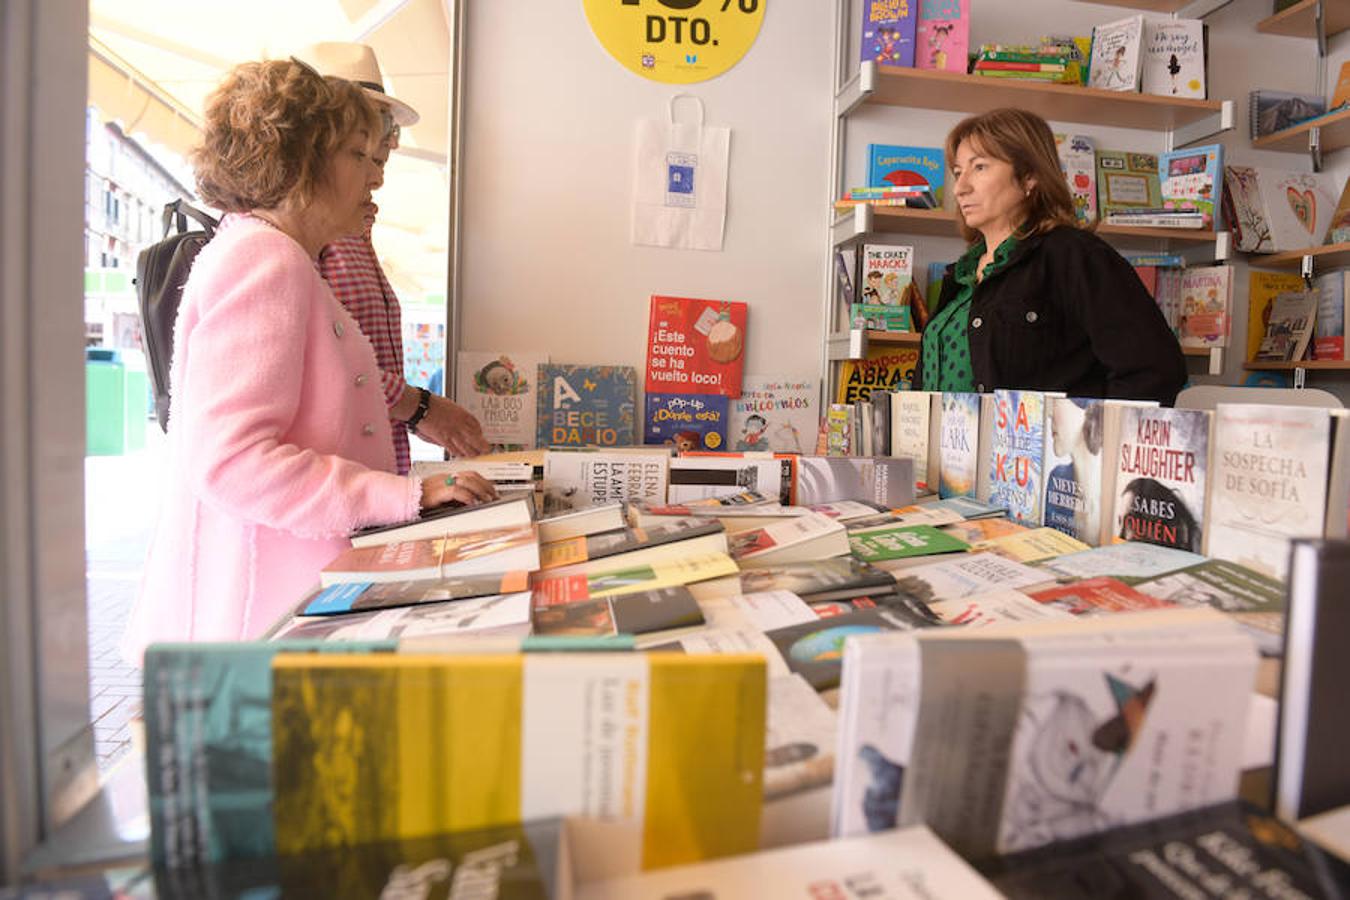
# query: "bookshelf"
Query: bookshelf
853,223
1342,365
1333,131
1327,256
1298,20
959,92
895,337
1155,6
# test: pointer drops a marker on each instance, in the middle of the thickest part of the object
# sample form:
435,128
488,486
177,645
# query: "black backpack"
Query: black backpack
161,271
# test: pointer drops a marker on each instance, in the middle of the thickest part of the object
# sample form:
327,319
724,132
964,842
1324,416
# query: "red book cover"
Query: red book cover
695,346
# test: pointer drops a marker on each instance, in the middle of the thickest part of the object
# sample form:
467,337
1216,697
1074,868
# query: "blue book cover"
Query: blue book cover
1192,179
1017,454
208,747
890,165
888,32
960,444
586,406
686,421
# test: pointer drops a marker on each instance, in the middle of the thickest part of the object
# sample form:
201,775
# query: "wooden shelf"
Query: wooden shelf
1335,134
1128,234
1198,351
1157,6
1297,20
958,92
894,337
1341,364
1327,256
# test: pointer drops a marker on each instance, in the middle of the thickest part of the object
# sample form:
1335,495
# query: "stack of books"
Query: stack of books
915,197
1054,59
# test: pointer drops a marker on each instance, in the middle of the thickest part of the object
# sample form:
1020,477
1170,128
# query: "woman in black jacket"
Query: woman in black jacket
1037,302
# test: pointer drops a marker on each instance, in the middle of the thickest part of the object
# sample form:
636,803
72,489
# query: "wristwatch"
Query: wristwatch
423,404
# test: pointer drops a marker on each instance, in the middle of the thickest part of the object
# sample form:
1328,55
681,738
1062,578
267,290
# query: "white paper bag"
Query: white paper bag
680,182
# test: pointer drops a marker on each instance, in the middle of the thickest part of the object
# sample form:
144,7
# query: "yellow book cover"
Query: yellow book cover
630,580
660,755
566,552
1261,290
1032,545
886,368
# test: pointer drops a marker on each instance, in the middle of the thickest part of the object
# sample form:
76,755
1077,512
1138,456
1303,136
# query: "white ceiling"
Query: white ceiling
153,63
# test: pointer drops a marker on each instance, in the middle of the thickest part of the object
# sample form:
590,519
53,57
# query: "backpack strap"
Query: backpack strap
179,211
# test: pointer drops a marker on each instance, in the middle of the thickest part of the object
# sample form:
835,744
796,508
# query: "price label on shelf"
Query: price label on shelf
676,41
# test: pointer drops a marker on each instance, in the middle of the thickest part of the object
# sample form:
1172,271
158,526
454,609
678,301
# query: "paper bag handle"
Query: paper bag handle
697,100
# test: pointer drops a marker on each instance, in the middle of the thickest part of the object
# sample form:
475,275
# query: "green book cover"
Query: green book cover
903,542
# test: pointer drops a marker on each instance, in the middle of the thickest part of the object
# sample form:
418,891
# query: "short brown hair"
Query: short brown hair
1023,140
271,129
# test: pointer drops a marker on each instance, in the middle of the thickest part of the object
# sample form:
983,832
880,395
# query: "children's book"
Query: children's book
942,38
888,164
887,270
1017,455
1269,482
502,392
1262,289
880,318
1290,328
1078,160
886,368
1206,300
695,346
1161,478
1333,302
1273,210
1116,49
1338,229
1173,61
586,406
960,445
1192,179
774,413
1127,181
580,479
888,32
686,421
845,265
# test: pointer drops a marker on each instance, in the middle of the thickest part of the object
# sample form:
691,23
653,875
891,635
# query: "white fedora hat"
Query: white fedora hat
357,64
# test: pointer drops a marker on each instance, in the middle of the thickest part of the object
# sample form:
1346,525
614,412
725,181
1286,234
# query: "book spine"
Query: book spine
1000,66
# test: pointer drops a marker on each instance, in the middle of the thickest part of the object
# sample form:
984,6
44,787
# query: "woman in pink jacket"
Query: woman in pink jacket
279,442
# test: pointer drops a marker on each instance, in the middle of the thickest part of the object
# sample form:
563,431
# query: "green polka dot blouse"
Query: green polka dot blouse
946,343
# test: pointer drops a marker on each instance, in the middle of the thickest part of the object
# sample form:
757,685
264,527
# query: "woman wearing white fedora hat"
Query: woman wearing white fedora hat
352,270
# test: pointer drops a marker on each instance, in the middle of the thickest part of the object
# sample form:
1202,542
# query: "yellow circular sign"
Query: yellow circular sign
676,41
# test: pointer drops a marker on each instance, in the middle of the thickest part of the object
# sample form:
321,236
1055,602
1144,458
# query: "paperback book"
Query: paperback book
1078,160
632,546
887,270
814,650
1116,51
885,368
1173,58
963,574
916,434
1254,600
1206,300
353,597
959,443
497,550
637,613
630,580
1073,481
586,406
903,542
888,32
942,38
579,479
1017,460
1161,479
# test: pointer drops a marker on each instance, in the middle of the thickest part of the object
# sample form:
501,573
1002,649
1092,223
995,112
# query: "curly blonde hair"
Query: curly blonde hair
271,129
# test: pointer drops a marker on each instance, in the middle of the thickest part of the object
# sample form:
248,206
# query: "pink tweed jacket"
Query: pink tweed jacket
278,443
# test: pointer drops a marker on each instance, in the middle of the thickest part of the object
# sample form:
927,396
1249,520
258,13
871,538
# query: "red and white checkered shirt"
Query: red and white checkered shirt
356,279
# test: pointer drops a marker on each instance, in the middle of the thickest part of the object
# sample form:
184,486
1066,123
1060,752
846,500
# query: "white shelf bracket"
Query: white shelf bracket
1305,268
1315,147
843,345
1300,378
1320,22
858,89
1216,360
1208,127
851,226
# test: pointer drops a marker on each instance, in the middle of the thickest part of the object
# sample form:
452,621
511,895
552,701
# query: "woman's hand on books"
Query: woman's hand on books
466,488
